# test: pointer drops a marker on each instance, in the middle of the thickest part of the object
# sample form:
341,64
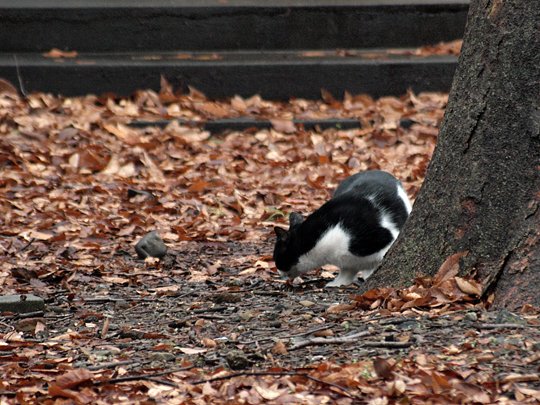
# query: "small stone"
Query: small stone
151,245
406,123
505,316
229,298
121,304
162,356
21,303
28,325
237,360
471,316
246,315
234,282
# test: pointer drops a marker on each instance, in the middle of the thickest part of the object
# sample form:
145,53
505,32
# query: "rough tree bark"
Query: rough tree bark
481,194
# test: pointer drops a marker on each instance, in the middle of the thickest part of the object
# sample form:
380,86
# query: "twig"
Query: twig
213,309
143,376
520,378
274,373
330,340
392,345
270,293
113,364
35,314
149,273
32,240
249,289
499,326
397,321
91,300
330,384
310,332
250,342
264,339
162,382
19,77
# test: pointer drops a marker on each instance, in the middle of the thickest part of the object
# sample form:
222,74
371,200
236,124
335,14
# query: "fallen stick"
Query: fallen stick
391,345
330,340
143,376
277,374
499,326
111,364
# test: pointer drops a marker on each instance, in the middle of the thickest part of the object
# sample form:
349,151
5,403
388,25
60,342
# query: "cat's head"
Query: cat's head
286,250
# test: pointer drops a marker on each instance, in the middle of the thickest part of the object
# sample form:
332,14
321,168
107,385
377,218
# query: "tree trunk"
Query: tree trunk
481,194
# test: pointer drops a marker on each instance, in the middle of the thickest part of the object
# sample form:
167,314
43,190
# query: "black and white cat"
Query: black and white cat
352,231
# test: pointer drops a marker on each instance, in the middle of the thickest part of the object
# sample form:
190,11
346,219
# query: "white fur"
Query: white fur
387,223
403,195
333,248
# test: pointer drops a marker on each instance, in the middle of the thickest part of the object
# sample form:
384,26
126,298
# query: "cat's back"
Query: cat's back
376,191
368,183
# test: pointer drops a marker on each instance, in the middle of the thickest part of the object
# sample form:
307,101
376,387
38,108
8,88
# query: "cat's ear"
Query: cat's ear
295,219
281,233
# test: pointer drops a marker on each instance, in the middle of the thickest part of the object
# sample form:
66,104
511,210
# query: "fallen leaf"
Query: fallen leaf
339,308
279,348
383,367
207,342
268,393
189,350
73,378
470,287
7,88
449,269
282,125
58,53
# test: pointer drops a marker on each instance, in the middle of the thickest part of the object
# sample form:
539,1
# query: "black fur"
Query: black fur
359,216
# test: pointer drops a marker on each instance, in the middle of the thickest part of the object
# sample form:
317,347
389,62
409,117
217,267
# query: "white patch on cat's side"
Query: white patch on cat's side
403,195
386,222
333,248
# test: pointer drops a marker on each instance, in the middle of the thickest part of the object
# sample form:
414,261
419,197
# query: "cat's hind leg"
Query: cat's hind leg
365,274
345,277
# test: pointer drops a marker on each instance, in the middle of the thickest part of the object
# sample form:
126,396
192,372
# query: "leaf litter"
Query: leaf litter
211,322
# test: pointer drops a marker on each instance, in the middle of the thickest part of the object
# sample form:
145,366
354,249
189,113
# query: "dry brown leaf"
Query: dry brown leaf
279,348
80,398
282,125
384,368
58,53
470,287
198,186
324,333
7,88
190,350
268,393
73,378
123,132
338,308
155,172
450,268
207,342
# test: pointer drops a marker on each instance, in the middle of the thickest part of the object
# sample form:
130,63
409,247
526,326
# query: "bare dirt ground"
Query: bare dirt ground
211,322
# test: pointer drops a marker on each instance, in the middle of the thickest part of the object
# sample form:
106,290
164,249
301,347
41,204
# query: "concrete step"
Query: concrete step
273,75
188,25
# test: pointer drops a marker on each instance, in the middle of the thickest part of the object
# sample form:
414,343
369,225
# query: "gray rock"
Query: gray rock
162,356
151,245
237,360
21,303
471,316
